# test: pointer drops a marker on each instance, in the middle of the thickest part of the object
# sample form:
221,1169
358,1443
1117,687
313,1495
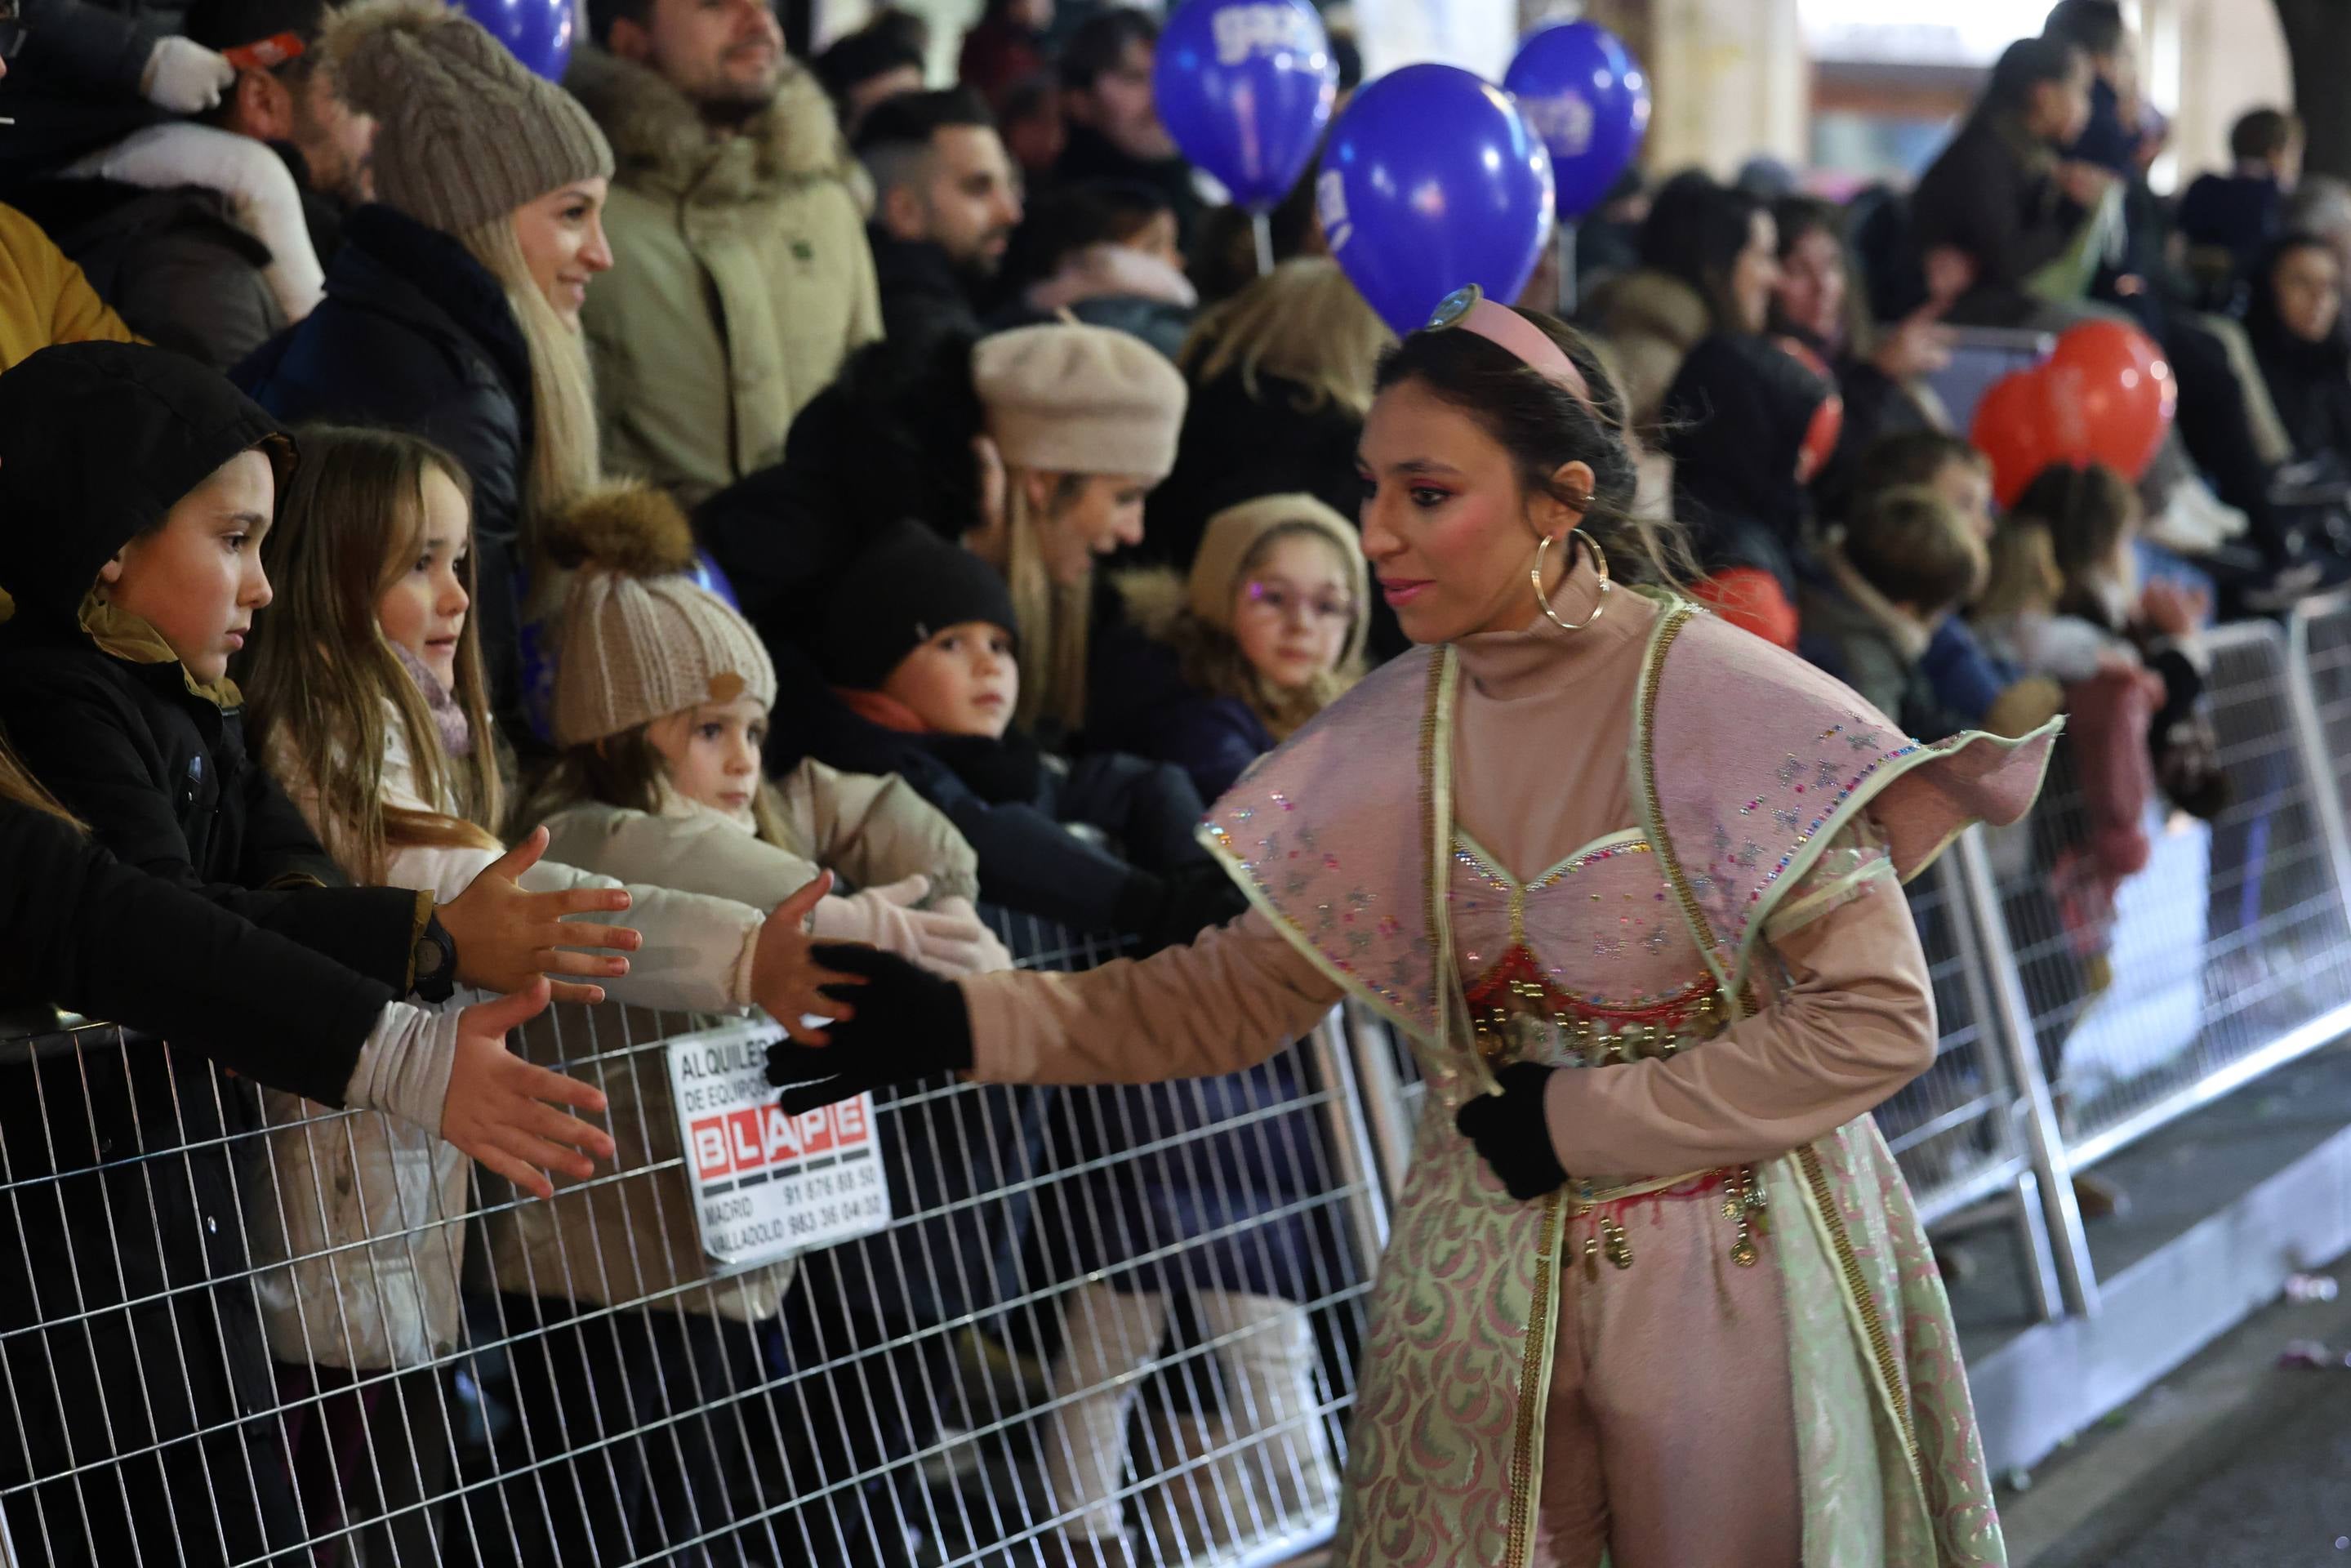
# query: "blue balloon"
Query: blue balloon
536,32
710,580
1585,96
1433,179
1245,88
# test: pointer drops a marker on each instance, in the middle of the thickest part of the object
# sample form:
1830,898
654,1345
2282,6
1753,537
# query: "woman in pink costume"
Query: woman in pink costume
1628,880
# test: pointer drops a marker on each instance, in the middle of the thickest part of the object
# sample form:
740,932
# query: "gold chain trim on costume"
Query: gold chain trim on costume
1873,1323
1523,1476
1676,618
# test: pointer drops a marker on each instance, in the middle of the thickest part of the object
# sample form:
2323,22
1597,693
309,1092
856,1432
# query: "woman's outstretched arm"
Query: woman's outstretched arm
1233,998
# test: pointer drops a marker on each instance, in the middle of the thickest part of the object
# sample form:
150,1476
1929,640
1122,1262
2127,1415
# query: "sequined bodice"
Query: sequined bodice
1590,962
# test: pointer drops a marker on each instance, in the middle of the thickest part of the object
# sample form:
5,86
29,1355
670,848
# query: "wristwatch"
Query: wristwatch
433,972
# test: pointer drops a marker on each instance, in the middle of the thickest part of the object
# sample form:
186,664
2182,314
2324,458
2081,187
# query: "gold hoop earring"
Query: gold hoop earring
1599,563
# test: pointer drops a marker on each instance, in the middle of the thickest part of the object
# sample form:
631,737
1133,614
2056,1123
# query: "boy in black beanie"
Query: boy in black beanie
919,647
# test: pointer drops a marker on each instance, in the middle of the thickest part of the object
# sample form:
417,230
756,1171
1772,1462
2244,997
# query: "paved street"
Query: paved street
2232,1462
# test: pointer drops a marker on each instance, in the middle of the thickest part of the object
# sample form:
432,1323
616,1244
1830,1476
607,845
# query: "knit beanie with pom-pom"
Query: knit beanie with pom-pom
641,639
464,131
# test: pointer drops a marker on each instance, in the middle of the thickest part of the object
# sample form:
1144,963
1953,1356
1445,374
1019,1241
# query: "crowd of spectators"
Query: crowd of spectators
823,501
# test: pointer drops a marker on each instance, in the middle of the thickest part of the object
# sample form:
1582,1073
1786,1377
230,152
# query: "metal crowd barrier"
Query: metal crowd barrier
1116,1325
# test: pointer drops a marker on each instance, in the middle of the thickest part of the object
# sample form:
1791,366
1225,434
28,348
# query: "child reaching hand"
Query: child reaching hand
371,706
921,644
661,707
662,697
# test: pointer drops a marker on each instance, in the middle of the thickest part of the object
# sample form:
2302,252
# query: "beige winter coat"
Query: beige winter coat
1649,321
369,1209
634,1238
741,276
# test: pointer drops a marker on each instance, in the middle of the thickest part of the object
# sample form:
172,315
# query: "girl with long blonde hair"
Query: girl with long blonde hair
367,703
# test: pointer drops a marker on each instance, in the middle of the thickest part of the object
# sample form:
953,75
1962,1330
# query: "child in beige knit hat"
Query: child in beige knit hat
663,694
1266,631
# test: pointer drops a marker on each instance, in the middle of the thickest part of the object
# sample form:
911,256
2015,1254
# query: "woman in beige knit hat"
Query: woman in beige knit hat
1034,449
1083,421
453,309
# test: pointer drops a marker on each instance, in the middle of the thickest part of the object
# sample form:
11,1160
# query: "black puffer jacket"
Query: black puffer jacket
922,294
416,334
96,442
1132,866
203,977
1992,196
1736,419
889,442
172,263
76,87
1236,446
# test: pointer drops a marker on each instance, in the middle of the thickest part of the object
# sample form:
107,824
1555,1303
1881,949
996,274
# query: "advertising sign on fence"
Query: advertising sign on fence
767,1184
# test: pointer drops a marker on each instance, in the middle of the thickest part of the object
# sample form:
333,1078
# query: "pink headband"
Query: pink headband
1469,308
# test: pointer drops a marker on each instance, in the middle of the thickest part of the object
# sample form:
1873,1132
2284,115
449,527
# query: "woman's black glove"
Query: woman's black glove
1511,1133
909,1024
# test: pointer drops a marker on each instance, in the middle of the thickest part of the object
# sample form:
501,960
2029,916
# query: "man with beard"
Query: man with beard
742,276
946,202
290,101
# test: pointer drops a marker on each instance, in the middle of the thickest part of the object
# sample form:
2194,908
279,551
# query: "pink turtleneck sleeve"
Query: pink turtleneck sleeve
1231,1000
1855,1021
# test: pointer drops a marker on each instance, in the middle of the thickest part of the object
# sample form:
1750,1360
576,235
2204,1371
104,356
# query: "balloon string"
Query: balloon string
1563,252
1261,227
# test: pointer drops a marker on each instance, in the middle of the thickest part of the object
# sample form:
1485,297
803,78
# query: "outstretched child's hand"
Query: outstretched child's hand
507,938
786,979
496,1109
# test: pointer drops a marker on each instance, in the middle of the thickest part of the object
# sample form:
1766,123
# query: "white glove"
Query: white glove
184,77
949,941
989,953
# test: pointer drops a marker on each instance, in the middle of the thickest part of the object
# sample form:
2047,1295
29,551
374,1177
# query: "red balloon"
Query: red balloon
2010,430
2106,396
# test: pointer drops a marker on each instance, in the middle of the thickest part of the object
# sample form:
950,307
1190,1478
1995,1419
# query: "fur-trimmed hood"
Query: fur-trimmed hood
1652,303
1152,598
659,142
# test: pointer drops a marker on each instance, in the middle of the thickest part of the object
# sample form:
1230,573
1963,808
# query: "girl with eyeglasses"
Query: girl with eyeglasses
1214,670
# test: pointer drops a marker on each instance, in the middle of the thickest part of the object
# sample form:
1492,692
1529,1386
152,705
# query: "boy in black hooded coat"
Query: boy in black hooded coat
98,444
